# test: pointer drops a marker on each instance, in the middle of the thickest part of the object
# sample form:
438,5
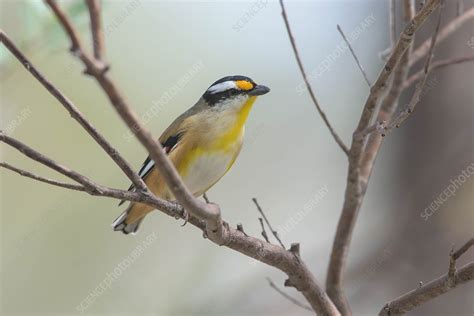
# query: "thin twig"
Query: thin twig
264,232
457,254
436,65
453,257
393,24
274,232
93,66
421,84
96,29
288,297
392,29
435,288
75,114
381,126
447,30
204,196
33,154
308,86
89,185
354,55
42,179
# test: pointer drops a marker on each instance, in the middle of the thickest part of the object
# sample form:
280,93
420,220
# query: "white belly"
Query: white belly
206,170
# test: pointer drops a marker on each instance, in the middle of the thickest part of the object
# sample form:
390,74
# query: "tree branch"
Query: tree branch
436,65
288,297
96,29
392,29
93,66
34,155
361,159
454,256
435,288
90,186
447,30
75,114
420,85
28,174
274,232
308,86
354,55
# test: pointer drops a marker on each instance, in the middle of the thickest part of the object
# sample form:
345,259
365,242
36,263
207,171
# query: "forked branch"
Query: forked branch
435,288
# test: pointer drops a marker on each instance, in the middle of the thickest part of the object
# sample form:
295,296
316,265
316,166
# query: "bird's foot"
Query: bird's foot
185,217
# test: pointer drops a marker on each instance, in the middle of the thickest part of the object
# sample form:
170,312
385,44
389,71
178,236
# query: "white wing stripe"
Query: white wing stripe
147,168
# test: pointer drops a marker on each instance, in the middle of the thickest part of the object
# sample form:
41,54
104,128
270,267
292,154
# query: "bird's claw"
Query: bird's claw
185,217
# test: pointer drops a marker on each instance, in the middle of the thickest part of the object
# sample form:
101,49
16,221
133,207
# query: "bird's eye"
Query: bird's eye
233,92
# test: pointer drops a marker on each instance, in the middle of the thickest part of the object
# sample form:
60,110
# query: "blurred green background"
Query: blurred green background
57,246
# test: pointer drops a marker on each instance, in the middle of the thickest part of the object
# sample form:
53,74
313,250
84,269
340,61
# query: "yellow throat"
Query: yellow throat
233,133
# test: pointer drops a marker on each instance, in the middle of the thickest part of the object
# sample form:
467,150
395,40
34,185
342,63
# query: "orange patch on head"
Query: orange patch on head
244,85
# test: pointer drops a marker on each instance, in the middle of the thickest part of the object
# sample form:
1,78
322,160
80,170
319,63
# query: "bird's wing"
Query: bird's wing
169,141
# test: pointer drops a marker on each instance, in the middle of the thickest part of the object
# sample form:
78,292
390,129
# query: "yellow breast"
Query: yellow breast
203,164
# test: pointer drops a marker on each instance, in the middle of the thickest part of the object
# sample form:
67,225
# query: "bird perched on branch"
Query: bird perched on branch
202,143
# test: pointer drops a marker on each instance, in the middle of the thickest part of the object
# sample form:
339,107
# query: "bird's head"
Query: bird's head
233,92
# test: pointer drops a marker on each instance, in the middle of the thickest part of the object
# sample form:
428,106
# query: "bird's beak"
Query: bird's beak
259,90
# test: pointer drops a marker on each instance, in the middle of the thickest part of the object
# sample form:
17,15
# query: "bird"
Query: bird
202,143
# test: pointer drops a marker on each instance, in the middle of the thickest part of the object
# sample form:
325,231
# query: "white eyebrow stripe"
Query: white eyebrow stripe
147,168
223,86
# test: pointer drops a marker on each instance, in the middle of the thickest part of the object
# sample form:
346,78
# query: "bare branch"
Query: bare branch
436,65
33,154
264,232
435,288
288,297
361,159
204,196
454,256
392,29
377,90
96,29
461,251
354,55
392,23
274,232
308,86
447,30
75,114
90,186
28,174
93,66
420,85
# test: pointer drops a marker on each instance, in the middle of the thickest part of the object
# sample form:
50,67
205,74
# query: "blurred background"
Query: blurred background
59,255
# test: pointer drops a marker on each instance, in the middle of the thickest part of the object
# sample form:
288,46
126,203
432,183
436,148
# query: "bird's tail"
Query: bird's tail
123,223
